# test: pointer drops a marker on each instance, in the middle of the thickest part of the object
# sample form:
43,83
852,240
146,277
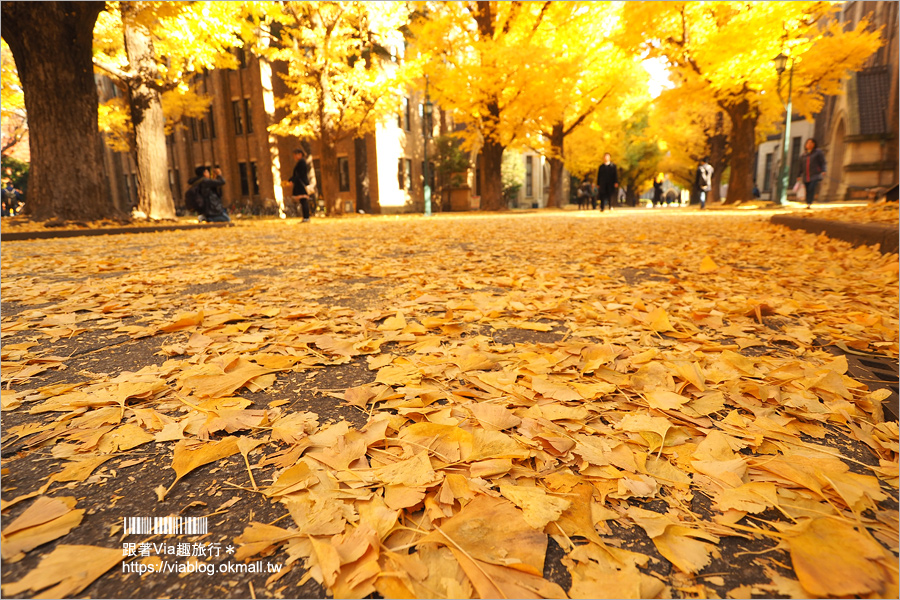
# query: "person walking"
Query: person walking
607,182
300,181
585,193
703,180
210,191
658,190
812,165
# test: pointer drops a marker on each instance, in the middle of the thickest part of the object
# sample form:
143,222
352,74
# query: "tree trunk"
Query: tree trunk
718,160
557,139
718,151
492,181
154,196
743,145
330,183
52,45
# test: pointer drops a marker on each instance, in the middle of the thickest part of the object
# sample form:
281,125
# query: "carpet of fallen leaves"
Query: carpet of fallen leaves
580,378
885,213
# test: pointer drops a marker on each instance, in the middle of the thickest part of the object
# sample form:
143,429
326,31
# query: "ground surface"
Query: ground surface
636,404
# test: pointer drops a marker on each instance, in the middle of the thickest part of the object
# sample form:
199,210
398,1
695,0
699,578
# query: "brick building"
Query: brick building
381,172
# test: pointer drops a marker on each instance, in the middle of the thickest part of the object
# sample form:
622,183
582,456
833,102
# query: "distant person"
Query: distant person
812,166
210,188
756,193
585,194
671,198
657,190
703,180
607,182
300,181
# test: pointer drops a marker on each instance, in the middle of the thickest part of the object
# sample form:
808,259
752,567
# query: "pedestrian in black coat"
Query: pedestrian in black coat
607,182
300,181
703,180
210,190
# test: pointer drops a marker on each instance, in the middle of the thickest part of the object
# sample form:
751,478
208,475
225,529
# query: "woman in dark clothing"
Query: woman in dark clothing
210,194
812,169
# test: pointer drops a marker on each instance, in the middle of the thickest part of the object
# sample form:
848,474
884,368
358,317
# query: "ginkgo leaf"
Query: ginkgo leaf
832,558
189,456
555,390
45,520
494,531
538,508
68,569
184,321
708,265
228,381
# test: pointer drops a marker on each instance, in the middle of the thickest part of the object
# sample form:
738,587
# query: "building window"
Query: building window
317,169
245,180
404,115
241,56
204,133
249,115
529,176
212,124
238,117
194,134
407,172
767,175
400,181
254,176
343,174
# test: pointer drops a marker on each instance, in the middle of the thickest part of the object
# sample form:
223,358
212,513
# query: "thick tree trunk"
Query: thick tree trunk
718,151
52,43
154,196
492,183
557,139
330,183
743,145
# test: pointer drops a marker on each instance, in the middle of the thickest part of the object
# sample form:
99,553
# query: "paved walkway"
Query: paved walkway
630,399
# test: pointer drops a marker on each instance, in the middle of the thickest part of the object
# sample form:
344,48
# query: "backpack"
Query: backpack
193,201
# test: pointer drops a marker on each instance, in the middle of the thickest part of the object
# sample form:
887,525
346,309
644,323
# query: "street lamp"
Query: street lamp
428,108
780,64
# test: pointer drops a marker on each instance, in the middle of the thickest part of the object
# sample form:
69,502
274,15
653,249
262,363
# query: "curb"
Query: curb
65,233
858,234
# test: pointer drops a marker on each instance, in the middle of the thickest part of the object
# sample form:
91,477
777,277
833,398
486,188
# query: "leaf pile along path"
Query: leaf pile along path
627,405
885,213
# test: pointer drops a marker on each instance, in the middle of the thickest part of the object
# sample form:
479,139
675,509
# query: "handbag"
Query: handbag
800,190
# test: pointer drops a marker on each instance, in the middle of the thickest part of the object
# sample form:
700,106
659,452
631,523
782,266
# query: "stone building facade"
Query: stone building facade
858,129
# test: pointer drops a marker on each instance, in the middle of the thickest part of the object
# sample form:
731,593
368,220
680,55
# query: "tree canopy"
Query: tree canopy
710,47
345,72
561,78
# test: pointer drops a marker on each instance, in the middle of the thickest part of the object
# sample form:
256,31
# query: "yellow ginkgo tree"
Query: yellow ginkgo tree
691,128
15,123
151,50
727,49
341,79
485,66
597,84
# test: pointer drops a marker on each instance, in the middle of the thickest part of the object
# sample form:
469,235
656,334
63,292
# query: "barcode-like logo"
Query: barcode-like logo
165,525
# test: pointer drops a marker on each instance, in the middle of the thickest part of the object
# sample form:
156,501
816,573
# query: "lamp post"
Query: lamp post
780,64
427,109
